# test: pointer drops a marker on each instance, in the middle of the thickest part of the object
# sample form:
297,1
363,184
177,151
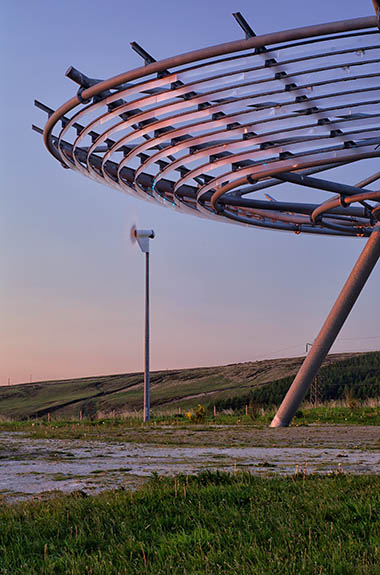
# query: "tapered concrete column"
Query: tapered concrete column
332,326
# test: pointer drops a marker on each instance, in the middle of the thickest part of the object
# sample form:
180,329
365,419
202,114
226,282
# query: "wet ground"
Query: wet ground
329,436
30,466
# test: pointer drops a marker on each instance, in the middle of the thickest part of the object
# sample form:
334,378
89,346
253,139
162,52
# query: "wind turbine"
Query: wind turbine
142,237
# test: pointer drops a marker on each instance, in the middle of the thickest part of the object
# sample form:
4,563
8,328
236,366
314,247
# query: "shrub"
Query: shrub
198,416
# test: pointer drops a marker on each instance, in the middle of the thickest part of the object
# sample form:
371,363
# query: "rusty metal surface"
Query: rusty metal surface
210,131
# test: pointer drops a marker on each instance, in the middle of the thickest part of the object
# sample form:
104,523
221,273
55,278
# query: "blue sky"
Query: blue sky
72,285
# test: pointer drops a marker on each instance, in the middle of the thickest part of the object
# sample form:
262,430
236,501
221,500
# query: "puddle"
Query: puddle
32,466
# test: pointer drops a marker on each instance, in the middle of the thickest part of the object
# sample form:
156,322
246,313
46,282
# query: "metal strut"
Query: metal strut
330,329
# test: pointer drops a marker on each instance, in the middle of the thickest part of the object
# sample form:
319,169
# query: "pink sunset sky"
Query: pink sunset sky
72,284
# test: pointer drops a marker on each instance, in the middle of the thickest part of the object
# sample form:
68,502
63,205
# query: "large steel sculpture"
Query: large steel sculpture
212,131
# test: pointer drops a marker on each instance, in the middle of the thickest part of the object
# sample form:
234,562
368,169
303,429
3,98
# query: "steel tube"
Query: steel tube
332,204
300,130
333,324
203,54
146,359
319,184
217,149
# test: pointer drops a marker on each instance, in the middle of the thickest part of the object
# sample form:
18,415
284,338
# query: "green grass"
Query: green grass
360,415
133,429
226,386
207,524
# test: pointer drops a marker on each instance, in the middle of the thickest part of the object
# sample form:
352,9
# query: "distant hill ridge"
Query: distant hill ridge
229,386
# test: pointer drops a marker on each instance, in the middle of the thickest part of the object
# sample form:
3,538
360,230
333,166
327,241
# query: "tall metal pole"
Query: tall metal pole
146,372
333,324
142,237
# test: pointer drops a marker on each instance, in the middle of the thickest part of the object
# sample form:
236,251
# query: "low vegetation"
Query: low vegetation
211,523
262,384
353,379
132,428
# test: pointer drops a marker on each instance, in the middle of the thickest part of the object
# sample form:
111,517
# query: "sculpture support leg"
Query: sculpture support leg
330,329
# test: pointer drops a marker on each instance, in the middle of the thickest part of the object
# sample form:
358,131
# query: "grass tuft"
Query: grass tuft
205,524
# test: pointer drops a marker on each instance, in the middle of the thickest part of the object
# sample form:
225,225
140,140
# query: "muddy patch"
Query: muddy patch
34,466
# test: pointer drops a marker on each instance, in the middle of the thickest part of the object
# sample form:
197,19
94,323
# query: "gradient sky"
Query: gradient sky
72,285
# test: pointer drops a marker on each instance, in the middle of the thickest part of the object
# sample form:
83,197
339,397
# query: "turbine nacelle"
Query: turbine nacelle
142,237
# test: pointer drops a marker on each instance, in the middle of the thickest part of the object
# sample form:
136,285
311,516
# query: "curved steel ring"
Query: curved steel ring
210,131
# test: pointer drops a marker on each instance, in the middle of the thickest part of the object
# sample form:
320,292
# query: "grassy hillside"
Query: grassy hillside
227,386
356,377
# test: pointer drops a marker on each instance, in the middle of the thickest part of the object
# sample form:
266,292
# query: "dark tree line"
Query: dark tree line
359,375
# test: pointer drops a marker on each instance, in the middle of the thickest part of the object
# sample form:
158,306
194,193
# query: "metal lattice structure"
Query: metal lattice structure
212,131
